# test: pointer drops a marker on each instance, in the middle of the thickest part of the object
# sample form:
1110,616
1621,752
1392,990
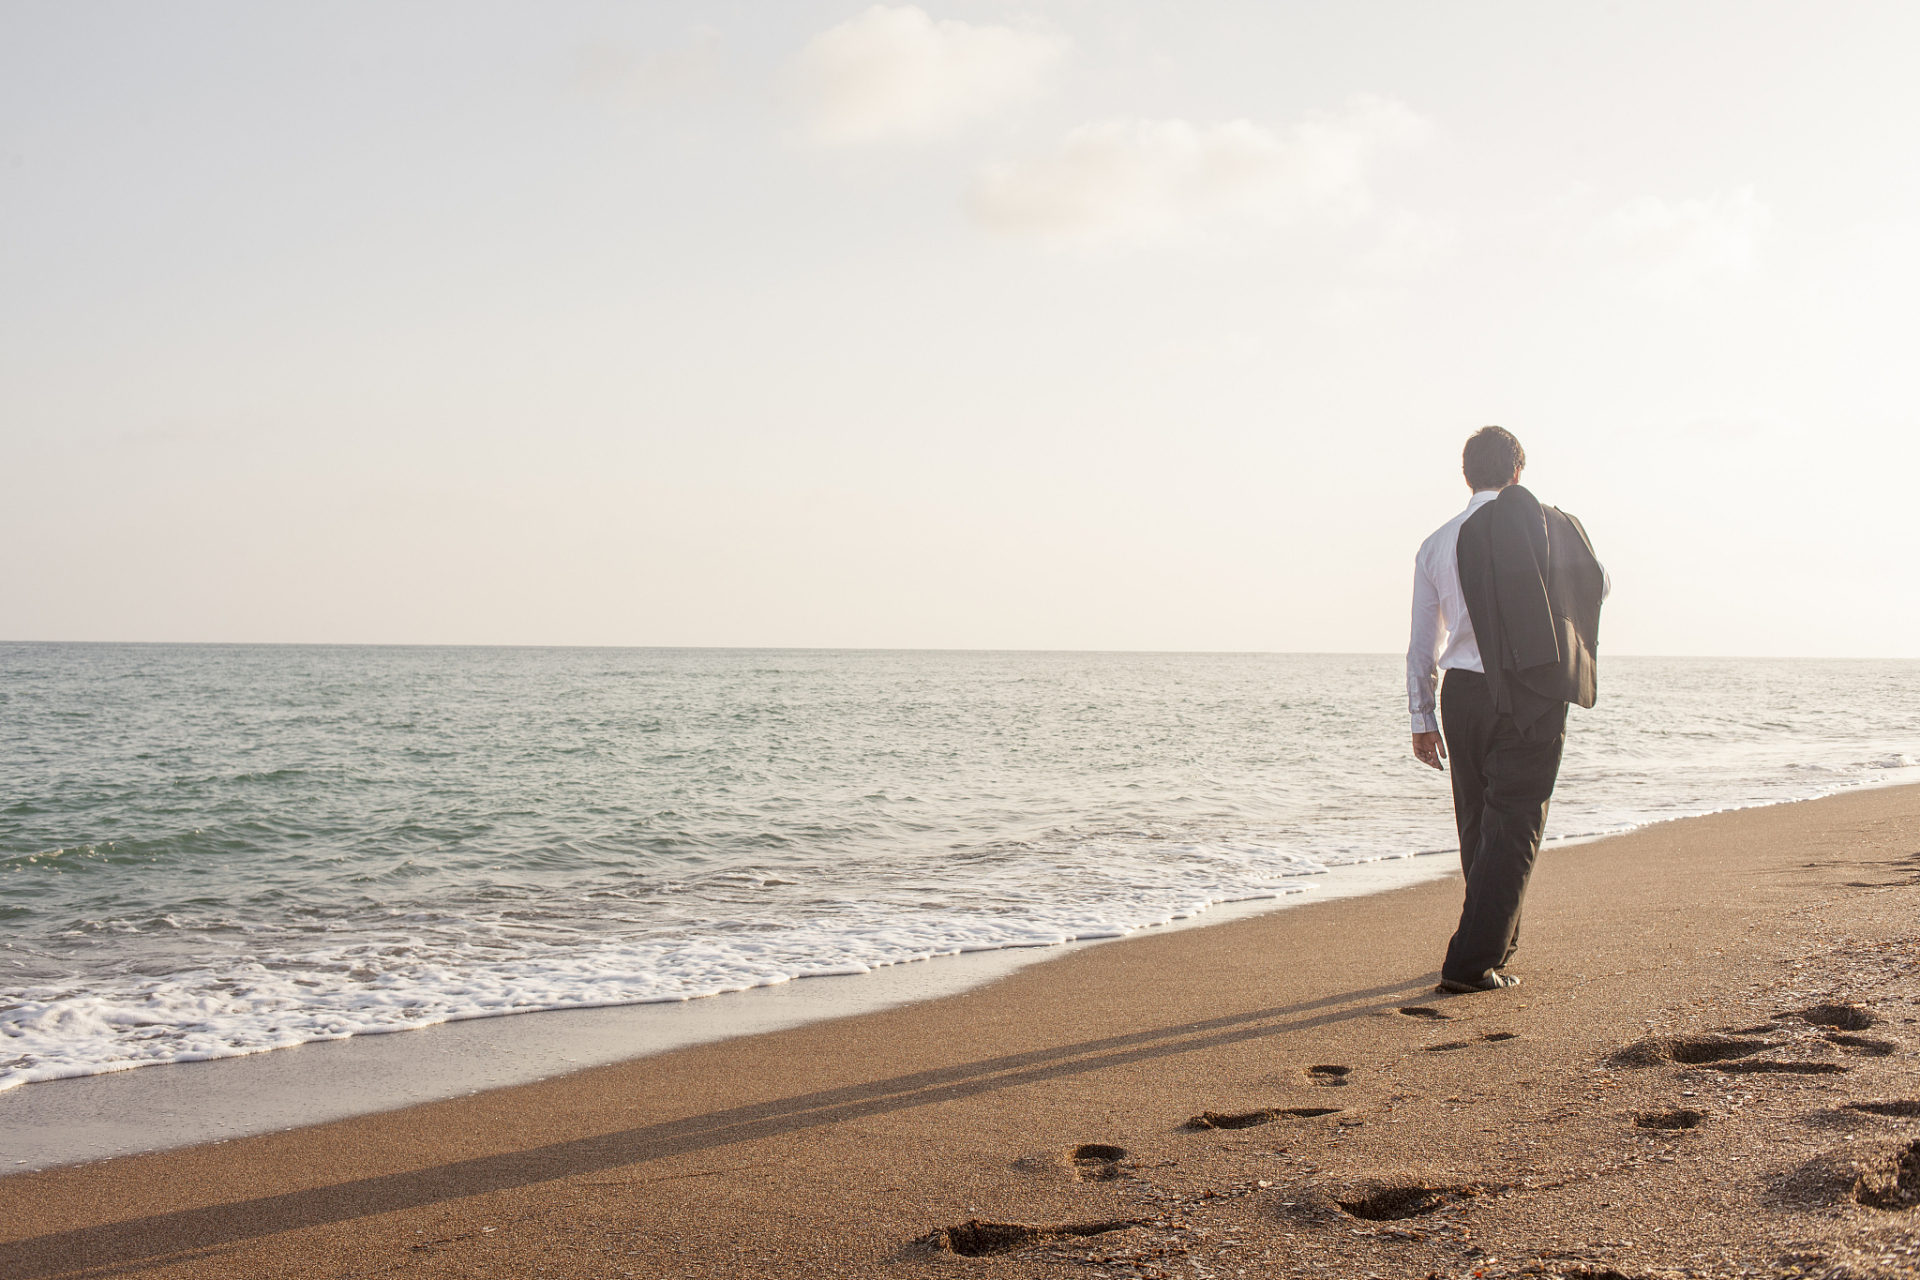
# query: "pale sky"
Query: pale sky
974,324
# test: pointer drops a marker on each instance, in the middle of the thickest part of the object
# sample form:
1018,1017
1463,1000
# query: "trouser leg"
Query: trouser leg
1466,718
1502,786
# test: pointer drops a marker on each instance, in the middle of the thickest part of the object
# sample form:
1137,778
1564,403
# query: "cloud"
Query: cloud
1677,247
1147,180
1409,242
614,77
896,75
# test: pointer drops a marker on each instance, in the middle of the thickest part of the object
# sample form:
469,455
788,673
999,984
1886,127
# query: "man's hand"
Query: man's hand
1429,749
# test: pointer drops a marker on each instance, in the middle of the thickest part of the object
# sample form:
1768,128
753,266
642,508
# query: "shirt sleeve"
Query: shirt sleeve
1423,651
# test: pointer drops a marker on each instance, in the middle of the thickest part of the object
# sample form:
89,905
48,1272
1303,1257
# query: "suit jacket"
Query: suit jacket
1533,588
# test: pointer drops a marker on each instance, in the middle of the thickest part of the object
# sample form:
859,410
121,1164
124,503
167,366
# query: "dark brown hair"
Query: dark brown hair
1491,457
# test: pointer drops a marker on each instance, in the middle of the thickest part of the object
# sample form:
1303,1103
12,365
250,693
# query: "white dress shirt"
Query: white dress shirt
1442,631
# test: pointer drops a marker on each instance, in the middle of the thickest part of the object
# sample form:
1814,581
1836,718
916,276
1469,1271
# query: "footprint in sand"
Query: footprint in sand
1248,1119
1689,1051
1493,1037
1874,1174
1423,1013
1396,1199
976,1239
1329,1075
1892,1182
1779,1068
1841,1017
1865,1045
1097,1161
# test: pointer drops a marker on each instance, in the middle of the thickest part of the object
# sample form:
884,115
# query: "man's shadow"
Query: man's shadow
124,1246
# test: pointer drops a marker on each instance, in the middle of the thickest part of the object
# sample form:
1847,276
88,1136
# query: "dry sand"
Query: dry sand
1710,1070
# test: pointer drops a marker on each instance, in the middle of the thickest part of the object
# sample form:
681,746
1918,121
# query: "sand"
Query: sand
178,1105
1709,1071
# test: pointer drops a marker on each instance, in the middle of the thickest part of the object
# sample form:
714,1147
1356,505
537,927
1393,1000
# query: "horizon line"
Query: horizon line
748,648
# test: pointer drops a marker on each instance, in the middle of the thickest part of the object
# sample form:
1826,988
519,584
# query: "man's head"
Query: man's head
1493,459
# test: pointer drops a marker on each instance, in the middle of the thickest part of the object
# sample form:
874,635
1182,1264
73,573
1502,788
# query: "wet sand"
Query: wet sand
1709,1071
178,1105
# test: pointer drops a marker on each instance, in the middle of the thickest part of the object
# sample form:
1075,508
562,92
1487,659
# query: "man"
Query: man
1506,601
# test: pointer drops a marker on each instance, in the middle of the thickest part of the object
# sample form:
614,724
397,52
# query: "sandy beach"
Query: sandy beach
1709,1071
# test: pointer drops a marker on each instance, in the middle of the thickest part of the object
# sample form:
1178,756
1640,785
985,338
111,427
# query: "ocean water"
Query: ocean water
208,851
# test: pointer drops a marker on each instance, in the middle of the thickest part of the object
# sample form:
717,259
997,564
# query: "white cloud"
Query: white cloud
1409,242
615,77
1145,180
894,74
1676,247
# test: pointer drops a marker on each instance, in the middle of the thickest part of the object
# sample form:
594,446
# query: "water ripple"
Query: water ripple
215,850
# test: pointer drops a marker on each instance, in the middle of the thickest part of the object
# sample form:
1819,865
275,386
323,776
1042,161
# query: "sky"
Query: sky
1051,325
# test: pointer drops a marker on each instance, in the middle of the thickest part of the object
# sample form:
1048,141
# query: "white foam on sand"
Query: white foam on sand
426,968
86,1118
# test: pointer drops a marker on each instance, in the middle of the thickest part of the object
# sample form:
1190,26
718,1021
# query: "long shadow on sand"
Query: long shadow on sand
124,1246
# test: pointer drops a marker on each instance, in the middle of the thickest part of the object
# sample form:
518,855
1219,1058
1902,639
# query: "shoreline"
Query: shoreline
1713,1069
163,962
160,1107
56,1123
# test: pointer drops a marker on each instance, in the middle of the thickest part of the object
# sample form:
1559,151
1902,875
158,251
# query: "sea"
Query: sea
208,851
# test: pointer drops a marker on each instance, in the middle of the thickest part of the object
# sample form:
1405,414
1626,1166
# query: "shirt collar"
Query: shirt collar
1482,498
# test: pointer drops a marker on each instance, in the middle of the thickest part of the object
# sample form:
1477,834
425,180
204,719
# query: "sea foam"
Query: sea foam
209,851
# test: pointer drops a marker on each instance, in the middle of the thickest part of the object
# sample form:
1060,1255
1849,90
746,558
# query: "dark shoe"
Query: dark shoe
1492,982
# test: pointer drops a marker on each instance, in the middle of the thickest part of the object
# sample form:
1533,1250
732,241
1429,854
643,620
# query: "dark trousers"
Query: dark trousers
1502,782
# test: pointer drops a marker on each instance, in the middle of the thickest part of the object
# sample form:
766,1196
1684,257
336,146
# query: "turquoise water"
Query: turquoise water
214,850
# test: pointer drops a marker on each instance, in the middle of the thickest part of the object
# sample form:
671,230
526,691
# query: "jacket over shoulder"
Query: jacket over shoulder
1533,589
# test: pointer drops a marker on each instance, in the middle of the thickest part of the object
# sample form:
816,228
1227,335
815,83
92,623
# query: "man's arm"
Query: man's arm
1423,673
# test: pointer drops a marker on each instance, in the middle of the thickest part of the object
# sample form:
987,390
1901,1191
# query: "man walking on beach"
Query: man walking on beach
1506,601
